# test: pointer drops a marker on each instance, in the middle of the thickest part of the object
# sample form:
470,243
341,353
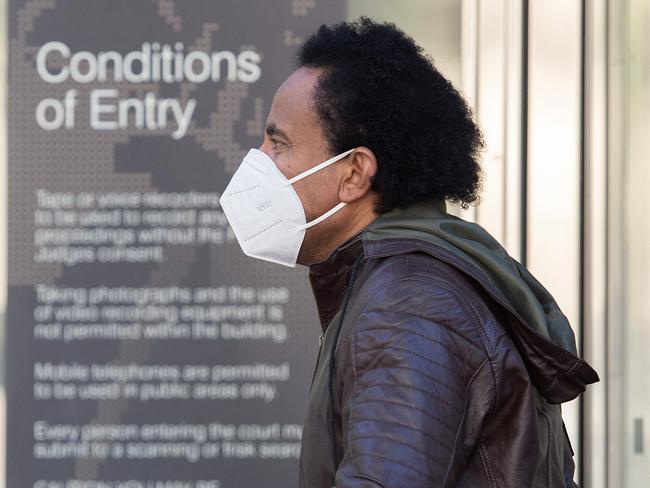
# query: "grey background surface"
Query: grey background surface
228,120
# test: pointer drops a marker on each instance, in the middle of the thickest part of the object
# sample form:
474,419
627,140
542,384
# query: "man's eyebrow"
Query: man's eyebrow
274,130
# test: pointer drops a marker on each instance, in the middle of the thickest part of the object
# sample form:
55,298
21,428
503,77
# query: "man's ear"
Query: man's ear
357,177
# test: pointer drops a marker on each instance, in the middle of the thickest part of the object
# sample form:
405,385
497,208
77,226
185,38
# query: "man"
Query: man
443,361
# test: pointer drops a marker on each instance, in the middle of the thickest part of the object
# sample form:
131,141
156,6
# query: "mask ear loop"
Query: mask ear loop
313,170
318,167
322,217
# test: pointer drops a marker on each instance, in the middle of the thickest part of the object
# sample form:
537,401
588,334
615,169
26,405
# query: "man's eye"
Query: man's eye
275,144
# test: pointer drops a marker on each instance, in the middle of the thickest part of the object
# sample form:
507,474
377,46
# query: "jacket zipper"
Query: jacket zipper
320,346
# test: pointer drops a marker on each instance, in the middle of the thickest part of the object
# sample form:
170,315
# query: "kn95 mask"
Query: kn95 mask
264,210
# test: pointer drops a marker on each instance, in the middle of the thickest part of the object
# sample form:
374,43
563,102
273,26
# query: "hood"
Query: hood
540,330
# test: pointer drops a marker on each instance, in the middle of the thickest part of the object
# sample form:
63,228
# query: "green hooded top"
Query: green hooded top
429,221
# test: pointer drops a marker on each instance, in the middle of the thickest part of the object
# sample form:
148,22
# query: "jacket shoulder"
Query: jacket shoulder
418,285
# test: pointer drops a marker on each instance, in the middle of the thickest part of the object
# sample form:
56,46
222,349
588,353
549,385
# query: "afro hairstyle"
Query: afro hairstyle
377,88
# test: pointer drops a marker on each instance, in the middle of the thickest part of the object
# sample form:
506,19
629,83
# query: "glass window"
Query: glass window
636,409
433,24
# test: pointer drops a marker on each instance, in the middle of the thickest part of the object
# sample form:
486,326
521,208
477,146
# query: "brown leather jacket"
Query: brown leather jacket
437,381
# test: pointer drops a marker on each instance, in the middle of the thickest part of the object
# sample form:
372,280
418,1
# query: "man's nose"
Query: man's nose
265,147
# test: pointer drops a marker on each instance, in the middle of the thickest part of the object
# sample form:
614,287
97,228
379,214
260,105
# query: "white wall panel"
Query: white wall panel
554,169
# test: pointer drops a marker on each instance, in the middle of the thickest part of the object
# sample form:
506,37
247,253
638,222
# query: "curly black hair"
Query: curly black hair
381,90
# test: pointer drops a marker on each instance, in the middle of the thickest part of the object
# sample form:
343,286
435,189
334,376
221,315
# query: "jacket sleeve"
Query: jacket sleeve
406,376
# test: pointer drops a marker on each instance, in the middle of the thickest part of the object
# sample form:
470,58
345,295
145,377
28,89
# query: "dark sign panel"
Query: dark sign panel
144,349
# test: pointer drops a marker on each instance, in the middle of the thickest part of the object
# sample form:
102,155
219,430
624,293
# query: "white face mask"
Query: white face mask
264,210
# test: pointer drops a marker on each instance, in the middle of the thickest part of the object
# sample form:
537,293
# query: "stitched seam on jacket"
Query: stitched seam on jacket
562,373
468,305
380,290
487,465
444,284
451,289
424,336
423,432
437,461
442,422
548,449
398,348
494,380
400,463
490,320
436,398
429,319
490,338
433,378
451,429
462,420
367,478
355,376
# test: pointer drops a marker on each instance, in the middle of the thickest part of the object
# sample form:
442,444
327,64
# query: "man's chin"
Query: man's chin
304,258
307,257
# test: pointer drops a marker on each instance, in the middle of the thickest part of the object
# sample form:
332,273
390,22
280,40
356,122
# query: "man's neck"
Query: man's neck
357,223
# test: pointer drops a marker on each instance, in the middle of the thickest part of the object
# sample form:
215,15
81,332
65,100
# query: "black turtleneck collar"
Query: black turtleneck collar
329,278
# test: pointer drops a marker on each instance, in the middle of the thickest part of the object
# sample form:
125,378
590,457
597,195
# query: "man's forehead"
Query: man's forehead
292,104
302,81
